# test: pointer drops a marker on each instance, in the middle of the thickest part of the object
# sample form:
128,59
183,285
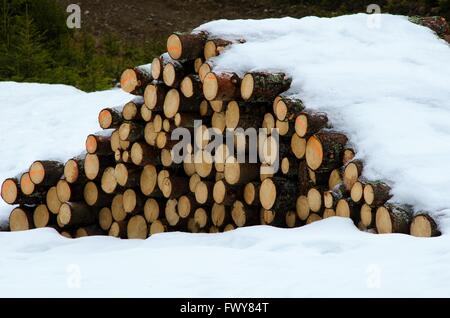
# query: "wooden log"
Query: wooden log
315,199
214,229
392,218
313,217
308,123
110,117
234,118
95,165
291,219
133,202
225,194
170,212
423,225
28,188
109,182
21,219
159,226
334,178
42,217
74,170
304,179
117,210
76,214
244,215
150,134
264,86
268,123
204,192
197,63
118,229
205,69
173,73
204,163
240,173
298,146
115,141
229,227
348,209
99,144
94,196
143,154
324,150
220,215
191,86
154,96
105,219
152,210
69,192
357,191
376,193
186,46
221,86
46,172
328,213
126,157
215,46
131,131
148,181
146,113
134,80
187,204
127,176
302,207
288,108
52,200
218,122
352,171
285,128
91,230
158,64
251,193
349,154
132,110
12,194
137,228
175,102
201,218
367,216
174,186
332,197
289,167
205,109
274,217
186,120
278,189
193,180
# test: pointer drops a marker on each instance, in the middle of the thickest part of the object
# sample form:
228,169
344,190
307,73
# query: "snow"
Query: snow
387,88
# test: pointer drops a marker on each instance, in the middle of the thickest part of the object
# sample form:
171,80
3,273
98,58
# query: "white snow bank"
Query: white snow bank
41,121
388,88
330,258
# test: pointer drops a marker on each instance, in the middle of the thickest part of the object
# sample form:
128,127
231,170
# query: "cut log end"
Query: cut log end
247,86
105,119
174,46
63,191
109,181
302,207
210,86
148,179
105,219
26,185
129,81
366,215
357,192
157,227
171,103
137,228
71,171
37,172
423,226
41,216
117,211
52,200
267,194
314,153
219,192
298,146
10,191
91,166
20,220
314,200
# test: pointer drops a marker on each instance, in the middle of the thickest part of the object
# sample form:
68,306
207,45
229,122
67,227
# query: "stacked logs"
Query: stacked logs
128,185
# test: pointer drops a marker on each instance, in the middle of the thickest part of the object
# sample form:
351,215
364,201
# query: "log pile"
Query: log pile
128,185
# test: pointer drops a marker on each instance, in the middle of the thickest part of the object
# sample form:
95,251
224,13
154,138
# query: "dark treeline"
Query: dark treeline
37,46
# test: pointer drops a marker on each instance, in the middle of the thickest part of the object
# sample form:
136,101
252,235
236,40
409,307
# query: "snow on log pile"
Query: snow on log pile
346,100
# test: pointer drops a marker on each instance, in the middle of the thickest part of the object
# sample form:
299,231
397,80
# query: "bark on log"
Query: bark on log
99,144
46,172
134,80
324,150
376,193
308,123
76,214
186,46
21,219
423,225
12,194
392,218
332,197
263,86
110,117
221,86
288,108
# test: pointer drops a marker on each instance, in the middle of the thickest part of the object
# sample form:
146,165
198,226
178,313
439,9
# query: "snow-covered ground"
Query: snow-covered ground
387,87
